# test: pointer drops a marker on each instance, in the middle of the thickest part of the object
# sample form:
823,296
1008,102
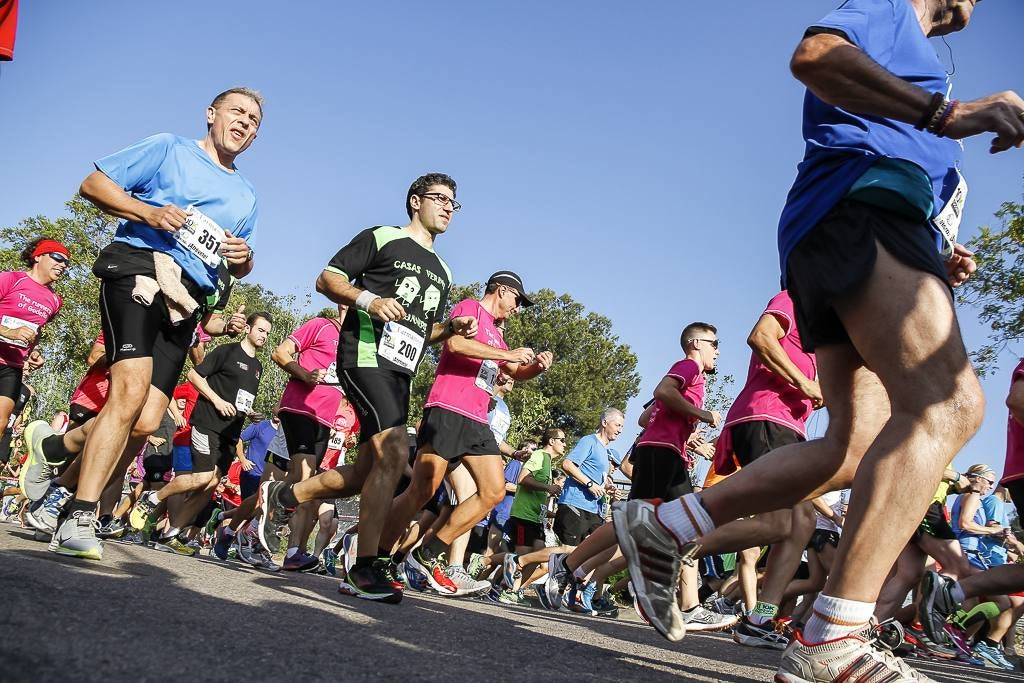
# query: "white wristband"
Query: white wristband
366,298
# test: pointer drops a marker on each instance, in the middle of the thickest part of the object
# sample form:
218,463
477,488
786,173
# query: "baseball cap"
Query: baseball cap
510,279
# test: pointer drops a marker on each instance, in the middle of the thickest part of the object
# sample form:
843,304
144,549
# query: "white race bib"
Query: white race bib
11,322
332,374
337,441
201,236
948,220
487,376
244,401
400,345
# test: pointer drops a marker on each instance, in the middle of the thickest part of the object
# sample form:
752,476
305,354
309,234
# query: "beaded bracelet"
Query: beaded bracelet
940,127
934,107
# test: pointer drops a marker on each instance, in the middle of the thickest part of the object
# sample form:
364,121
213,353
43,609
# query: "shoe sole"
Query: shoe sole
443,590
87,554
36,524
714,627
928,584
30,462
629,550
755,641
554,596
261,500
345,588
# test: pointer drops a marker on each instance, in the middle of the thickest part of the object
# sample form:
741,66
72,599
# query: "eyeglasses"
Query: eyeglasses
558,438
991,482
442,199
59,258
713,342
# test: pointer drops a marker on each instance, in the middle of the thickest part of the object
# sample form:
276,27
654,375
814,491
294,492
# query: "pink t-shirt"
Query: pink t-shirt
317,342
669,429
765,395
465,385
23,303
1014,467
91,392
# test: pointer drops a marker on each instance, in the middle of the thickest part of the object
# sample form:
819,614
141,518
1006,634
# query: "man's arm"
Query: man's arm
110,198
284,355
529,483
764,340
338,289
199,382
842,75
668,393
968,507
572,470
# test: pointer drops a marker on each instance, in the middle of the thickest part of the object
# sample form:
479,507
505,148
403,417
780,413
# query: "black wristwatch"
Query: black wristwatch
252,252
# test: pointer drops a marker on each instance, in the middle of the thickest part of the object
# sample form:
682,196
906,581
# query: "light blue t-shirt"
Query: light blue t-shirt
592,457
168,169
841,146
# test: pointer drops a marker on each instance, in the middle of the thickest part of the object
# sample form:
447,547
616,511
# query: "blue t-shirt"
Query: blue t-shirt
502,509
842,146
258,436
991,546
592,457
167,169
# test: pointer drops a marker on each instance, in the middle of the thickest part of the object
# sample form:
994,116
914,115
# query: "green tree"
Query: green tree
997,289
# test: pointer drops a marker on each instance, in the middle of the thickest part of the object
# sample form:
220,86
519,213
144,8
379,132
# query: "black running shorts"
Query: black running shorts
380,397
838,255
132,330
79,415
209,450
10,382
453,436
157,465
277,461
524,532
751,440
822,537
304,435
572,525
5,449
660,473
935,523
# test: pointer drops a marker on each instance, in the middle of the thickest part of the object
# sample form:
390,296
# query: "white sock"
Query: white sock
833,618
578,573
171,532
685,517
292,551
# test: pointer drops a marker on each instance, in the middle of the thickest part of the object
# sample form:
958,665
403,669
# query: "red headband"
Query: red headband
51,247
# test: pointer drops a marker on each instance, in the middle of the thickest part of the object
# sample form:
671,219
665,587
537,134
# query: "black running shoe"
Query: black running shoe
371,582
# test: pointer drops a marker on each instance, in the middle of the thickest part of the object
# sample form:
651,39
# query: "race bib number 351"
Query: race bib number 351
202,236
400,345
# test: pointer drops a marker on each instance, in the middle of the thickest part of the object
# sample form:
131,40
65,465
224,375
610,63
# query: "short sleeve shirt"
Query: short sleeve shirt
235,376
317,344
593,458
464,385
528,504
667,429
1013,469
841,145
167,169
385,260
91,392
23,303
765,395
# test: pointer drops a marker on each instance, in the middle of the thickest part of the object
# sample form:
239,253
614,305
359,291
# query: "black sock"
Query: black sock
364,561
287,497
436,546
54,451
76,505
106,519
399,557
991,643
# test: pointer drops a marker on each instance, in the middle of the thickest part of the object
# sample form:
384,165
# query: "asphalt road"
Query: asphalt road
141,615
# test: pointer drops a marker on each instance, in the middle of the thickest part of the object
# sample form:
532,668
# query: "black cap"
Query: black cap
510,279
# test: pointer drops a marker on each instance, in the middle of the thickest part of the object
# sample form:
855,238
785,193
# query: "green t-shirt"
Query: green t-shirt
527,504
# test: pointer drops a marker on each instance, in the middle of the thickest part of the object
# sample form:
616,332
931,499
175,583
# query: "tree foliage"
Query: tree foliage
997,289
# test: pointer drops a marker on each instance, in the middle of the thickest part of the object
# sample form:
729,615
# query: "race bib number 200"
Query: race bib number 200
947,222
202,236
400,345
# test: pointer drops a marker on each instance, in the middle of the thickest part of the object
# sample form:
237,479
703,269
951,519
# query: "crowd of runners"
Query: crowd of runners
839,551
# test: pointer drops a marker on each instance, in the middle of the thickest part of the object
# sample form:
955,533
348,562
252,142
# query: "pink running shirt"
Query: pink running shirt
465,385
668,429
23,303
765,395
91,392
317,342
1014,467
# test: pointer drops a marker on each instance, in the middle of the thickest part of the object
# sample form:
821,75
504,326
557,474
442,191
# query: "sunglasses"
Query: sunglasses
59,258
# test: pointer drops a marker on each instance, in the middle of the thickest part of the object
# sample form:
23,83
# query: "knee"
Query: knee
144,426
490,495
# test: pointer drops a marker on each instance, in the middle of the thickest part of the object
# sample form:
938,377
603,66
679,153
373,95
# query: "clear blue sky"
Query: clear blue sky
635,155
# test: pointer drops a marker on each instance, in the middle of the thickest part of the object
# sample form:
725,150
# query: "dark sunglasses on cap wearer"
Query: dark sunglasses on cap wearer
59,258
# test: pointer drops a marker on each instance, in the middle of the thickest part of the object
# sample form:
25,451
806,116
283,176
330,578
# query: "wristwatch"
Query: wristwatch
252,252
